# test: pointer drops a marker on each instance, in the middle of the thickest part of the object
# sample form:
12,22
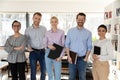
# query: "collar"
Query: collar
80,28
54,32
35,28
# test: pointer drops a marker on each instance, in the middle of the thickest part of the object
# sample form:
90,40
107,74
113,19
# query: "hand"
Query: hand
51,47
19,48
69,59
85,59
58,59
95,57
29,49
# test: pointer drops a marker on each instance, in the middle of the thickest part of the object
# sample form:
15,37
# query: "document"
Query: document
97,50
53,54
73,56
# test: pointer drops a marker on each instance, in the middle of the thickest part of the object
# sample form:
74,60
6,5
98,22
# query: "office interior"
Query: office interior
97,12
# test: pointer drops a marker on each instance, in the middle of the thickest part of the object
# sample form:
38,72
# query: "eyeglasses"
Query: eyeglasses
16,25
101,30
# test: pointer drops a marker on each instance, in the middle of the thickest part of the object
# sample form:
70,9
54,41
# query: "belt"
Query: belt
81,57
38,49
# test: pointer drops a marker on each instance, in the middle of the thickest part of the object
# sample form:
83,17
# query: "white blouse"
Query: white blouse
106,49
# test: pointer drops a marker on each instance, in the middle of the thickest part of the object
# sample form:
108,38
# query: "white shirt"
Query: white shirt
106,49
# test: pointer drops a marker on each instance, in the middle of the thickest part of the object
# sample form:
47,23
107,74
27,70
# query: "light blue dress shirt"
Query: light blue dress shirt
79,40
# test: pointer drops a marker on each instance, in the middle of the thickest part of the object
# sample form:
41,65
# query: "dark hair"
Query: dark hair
15,21
102,26
81,14
37,13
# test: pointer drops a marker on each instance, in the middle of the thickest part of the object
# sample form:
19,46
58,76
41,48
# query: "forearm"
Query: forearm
87,55
19,48
67,51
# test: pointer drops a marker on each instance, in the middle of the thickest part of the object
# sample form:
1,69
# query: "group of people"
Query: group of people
39,42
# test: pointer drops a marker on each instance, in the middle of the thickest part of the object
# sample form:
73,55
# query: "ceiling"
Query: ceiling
54,5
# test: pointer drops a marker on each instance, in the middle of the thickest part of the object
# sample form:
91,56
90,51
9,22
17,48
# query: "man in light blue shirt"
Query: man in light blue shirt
78,40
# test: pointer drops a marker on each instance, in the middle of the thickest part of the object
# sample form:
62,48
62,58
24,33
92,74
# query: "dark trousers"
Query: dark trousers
34,57
17,69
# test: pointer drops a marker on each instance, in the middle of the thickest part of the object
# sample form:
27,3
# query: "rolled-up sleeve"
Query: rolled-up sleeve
89,42
67,41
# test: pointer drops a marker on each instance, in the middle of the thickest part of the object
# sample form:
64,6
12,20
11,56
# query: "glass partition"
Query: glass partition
6,20
66,21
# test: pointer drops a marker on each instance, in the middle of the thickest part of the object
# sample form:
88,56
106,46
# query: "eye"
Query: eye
16,26
101,30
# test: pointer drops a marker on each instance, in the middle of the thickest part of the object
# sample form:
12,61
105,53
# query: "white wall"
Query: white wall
53,5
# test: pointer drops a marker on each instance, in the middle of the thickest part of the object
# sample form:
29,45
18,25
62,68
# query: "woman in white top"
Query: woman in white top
100,62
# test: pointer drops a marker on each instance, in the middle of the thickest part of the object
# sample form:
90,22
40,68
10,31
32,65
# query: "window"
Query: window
6,20
66,21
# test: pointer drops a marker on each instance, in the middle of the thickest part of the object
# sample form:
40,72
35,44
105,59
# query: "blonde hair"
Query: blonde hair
54,17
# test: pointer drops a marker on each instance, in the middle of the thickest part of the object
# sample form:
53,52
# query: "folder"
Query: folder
53,54
73,56
97,50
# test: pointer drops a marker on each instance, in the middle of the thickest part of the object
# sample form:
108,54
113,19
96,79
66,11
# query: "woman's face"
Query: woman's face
54,23
101,32
16,27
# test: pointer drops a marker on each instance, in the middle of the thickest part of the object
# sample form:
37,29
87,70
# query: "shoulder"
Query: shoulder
48,32
96,41
10,37
72,29
43,27
108,41
60,30
28,28
24,36
88,31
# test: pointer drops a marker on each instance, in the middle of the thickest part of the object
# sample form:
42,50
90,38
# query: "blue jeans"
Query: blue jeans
34,57
53,67
81,67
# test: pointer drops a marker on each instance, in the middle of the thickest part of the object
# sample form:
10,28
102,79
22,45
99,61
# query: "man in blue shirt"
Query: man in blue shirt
79,40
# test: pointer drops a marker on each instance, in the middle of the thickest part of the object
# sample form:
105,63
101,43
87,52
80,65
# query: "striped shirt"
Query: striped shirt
35,36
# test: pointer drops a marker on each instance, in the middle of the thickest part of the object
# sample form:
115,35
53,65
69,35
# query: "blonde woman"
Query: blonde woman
57,36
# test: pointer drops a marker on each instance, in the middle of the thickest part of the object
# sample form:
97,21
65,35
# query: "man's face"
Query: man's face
36,19
80,20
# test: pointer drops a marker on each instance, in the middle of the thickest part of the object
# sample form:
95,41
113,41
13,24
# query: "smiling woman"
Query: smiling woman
66,21
15,47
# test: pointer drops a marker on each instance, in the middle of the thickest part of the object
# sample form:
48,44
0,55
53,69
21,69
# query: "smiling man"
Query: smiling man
78,40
